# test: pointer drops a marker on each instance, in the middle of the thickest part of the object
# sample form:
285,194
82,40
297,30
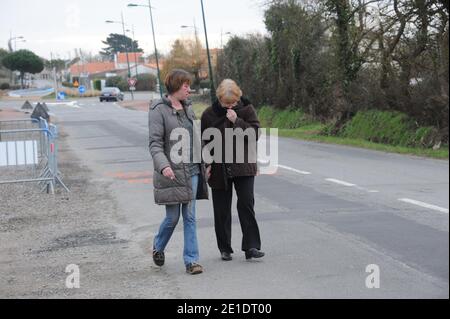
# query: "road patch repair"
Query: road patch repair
143,177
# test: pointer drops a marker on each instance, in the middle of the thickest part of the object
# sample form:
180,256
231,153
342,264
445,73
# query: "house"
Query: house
134,58
87,72
82,70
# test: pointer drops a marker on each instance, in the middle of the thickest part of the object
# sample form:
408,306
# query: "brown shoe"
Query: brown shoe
194,269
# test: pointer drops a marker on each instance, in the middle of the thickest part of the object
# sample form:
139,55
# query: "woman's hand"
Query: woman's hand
168,172
232,116
208,172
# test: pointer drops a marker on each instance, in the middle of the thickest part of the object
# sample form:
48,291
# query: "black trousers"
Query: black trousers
222,200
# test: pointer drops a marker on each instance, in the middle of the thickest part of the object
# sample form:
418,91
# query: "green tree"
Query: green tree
23,61
119,43
296,53
335,58
3,53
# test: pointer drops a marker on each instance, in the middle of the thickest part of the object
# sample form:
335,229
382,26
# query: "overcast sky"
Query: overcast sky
61,26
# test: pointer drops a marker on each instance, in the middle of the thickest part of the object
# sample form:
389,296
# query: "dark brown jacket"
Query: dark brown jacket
215,117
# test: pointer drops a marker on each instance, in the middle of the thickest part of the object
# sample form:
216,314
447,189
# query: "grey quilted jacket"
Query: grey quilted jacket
162,121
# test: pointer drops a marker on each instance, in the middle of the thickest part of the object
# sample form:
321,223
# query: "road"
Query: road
328,213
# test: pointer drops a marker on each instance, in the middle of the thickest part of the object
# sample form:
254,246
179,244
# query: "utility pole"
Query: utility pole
135,53
128,59
134,50
211,76
149,6
83,65
11,49
156,50
55,82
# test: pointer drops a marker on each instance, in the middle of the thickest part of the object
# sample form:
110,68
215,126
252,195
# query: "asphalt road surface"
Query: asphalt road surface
325,216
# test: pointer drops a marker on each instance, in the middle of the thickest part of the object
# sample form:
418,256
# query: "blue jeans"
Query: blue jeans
191,251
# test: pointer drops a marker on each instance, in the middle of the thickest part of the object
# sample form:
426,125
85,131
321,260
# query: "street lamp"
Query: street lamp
126,47
10,47
198,48
11,39
149,6
211,77
134,49
192,27
15,43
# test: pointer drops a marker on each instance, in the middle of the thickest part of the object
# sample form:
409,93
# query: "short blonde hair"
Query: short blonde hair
229,92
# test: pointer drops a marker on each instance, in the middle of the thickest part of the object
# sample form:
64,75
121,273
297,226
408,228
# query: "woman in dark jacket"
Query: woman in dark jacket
233,113
176,185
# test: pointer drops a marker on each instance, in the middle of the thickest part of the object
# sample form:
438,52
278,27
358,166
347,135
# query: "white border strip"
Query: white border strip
294,170
424,205
336,181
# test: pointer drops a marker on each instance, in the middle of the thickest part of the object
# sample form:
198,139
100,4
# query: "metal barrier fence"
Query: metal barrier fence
29,153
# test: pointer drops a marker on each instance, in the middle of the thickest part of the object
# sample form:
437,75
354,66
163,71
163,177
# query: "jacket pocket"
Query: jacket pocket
162,182
172,192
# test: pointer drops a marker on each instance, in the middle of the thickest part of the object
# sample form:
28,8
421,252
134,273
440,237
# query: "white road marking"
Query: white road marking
294,170
367,190
63,103
336,181
424,205
71,104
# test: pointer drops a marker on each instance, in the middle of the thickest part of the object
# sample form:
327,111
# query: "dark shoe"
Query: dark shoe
254,253
158,258
194,269
227,257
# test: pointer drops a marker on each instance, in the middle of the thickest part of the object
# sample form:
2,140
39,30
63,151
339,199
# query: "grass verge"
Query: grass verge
312,133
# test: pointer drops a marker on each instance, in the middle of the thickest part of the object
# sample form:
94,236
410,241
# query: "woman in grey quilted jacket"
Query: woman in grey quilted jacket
176,185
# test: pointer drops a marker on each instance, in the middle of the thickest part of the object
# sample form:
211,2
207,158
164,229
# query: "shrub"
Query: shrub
146,82
205,84
117,82
75,93
4,86
68,84
97,84
266,115
388,127
201,98
426,137
289,119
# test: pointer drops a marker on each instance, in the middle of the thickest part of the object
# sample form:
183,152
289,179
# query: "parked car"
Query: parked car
111,94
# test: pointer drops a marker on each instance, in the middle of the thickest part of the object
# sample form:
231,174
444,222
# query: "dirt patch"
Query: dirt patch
95,237
6,115
25,98
136,105
42,234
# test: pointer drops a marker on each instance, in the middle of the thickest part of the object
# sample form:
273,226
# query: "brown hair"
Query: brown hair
176,79
229,92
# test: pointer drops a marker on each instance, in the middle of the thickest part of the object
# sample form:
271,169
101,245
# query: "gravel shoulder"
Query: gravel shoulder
42,234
